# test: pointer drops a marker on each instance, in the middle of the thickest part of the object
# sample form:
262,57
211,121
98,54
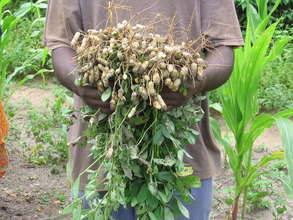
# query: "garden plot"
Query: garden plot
33,192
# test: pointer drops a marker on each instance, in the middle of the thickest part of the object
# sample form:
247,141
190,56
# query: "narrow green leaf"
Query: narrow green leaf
286,129
75,188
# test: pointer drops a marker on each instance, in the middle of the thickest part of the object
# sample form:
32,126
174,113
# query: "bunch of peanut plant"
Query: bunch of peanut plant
140,147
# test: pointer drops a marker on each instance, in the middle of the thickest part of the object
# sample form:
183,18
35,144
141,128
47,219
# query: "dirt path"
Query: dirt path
30,192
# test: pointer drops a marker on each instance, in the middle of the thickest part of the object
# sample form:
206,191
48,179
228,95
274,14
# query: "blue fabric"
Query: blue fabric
199,209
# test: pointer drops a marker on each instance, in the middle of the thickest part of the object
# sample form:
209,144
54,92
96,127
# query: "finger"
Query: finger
106,110
97,104
90,92
173,102
169,108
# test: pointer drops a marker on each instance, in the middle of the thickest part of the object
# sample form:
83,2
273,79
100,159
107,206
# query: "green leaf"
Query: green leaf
3,3
153,188
106,94
75,188
286,130
167,176
191,181
143,193
77,214
168,215
70,208
183,209
158,137
152,216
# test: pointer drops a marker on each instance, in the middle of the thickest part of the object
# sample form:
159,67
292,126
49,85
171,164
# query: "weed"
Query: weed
50,131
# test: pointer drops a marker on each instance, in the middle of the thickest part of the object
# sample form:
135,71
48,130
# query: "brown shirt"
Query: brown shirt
190,18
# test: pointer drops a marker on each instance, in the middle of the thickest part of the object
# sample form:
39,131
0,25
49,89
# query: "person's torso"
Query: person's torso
179,17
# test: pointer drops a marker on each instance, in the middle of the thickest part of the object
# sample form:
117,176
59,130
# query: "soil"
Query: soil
33,192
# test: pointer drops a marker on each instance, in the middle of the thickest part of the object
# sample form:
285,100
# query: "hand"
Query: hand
177,99
64,64
92,98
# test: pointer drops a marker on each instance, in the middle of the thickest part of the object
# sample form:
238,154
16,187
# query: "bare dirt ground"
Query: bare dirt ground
31,192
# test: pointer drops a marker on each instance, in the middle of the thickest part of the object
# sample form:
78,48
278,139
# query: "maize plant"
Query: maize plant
241,108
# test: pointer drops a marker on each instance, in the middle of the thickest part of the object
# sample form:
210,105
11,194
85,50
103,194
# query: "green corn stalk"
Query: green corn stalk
240,104
286,128
7,21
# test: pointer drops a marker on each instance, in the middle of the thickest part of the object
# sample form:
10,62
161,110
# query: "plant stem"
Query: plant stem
244,202
234,211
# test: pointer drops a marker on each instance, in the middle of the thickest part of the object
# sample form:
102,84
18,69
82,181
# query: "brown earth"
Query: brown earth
31,192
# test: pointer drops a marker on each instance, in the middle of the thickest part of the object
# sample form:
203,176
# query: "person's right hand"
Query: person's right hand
92,98
64,64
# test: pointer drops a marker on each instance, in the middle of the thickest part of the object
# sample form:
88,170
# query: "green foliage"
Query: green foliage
240,104
50,131
24,53
146,165
286,128
285,10
7,20
276,87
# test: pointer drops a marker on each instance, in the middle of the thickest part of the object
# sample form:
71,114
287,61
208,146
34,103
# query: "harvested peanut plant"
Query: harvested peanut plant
140,147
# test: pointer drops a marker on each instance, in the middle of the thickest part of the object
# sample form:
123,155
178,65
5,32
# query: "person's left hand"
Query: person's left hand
177,99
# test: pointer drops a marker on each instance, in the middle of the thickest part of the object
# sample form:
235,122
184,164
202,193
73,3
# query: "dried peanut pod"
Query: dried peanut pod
170,68
109,153
201,62
151,88
156,78
145,65
143,93
132,112
136,68
194,68
120,93
124,76
165,74
200,71
168,82
162,102
184,71
75,39
143,44
157,105
91,76
134,97
85,44
102,61
93,32
112,104
85,78
175,74
163,65
118,71
177,83
100,86
146,78
120,55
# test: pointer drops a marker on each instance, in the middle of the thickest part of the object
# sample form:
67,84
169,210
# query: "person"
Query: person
217,20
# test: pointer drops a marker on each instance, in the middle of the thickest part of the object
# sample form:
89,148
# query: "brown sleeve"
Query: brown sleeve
219,23
63,20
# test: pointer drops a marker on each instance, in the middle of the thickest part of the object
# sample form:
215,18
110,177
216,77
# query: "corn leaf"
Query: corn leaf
286,130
